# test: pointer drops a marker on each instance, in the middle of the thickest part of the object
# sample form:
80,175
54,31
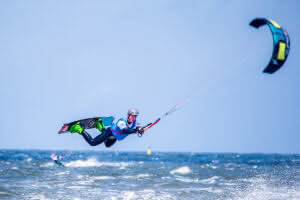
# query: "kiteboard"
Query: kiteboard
87,123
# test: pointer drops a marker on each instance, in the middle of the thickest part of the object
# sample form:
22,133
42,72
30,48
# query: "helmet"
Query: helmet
133,111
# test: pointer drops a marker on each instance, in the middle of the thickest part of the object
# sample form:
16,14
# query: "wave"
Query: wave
264,192
48,164
21,155
5,194
208,166
146,194
261,189
93,162
62,173
208,181
40,197
139,176
211,180
181,170
102,178
211,190
186,180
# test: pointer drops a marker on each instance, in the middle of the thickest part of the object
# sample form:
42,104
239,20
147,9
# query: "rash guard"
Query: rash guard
122,129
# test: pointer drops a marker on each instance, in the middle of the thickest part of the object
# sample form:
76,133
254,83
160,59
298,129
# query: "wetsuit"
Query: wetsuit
58,163
105,136
57,160
110,135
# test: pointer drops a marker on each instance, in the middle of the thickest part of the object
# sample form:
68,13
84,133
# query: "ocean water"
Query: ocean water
31,174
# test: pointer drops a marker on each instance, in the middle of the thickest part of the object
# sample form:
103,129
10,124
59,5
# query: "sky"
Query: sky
62,61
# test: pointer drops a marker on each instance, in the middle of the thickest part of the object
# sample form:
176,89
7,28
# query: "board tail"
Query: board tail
64,129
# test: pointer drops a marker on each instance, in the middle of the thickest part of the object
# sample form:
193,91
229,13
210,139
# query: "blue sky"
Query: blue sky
67,60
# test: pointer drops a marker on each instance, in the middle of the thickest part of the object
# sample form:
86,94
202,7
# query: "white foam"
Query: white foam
259,189
181,170
255,180
48,164
129,195
148,194
142,175
144,194
229,184
39,197
80,176
268,193
139,176
62,173
211,180
186,180
103,178
92,162
211,190
165,178
122,165
4,193
209,166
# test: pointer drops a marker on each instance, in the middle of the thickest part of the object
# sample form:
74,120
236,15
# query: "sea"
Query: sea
94,175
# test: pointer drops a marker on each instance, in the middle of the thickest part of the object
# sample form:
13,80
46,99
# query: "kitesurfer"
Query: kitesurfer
118,131
57,159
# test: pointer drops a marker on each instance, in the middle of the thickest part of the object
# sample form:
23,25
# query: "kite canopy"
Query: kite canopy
281,43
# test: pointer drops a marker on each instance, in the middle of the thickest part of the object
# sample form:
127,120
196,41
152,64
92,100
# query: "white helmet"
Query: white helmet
133,111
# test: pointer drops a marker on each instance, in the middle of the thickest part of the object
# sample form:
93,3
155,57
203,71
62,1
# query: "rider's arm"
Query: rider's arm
129,130
125,130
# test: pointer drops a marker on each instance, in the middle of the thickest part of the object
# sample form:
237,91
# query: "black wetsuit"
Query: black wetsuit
106,136
58,163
